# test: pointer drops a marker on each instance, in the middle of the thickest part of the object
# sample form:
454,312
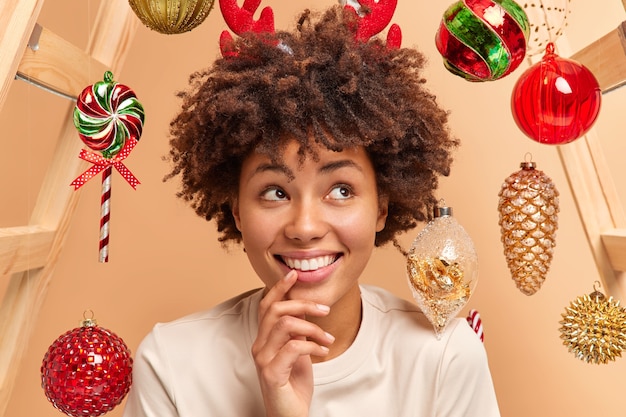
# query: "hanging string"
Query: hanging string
548,18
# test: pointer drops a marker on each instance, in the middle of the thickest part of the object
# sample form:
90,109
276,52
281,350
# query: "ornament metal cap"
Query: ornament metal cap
88,321
442,210
528,162
596,294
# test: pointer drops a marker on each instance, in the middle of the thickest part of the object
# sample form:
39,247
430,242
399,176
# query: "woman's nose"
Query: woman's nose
306,222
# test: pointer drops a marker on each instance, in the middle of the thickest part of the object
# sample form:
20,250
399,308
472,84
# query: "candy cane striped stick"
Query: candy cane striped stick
473,319
105,213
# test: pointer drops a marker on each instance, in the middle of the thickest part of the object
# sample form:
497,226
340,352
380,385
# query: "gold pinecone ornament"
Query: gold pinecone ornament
528,208
594,328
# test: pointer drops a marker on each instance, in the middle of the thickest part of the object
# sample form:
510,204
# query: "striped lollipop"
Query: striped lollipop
109,119
473,319
107,114
483,40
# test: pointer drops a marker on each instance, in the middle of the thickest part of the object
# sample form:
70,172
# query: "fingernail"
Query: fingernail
290,274
330,337
322,307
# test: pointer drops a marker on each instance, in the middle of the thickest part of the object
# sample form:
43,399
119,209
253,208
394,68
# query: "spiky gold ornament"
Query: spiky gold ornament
594,328
528,208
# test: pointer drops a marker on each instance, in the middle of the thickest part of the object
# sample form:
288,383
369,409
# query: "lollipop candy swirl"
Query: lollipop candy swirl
107,114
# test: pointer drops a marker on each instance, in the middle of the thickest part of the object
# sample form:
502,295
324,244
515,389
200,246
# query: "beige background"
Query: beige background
165,262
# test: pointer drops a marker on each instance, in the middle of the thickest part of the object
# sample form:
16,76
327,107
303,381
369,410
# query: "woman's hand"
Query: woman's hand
283,348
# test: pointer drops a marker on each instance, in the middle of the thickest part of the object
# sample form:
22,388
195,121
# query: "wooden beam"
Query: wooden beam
17,19
598,204
615,243
23,248
606,58
58,65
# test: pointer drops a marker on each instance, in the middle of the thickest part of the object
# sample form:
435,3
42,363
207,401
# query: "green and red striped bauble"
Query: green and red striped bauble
483,40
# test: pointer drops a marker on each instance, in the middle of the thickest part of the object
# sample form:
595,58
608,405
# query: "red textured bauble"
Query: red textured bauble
556,100
87,371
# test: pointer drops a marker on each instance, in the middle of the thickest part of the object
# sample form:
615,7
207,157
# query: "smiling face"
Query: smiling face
317,217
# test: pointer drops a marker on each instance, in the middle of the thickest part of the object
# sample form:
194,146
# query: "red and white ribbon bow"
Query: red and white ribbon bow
100,163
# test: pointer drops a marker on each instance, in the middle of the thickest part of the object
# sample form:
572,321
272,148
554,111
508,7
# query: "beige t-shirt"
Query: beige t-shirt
201,366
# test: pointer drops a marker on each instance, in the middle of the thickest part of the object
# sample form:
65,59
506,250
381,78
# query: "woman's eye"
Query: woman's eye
274,194
340,192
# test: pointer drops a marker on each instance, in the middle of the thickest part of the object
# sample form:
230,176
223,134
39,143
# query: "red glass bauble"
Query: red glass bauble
87,371
556,100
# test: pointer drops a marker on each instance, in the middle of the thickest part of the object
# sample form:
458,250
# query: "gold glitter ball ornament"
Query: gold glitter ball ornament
528,208
594,328
171,16
442,269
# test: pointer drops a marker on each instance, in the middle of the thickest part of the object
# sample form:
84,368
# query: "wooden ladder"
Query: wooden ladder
28,253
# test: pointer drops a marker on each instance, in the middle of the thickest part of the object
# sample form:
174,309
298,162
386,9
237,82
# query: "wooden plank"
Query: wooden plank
59,65
17,19
592,185
23,248
117,19
110,39
606,182
615,243
606,58
590,193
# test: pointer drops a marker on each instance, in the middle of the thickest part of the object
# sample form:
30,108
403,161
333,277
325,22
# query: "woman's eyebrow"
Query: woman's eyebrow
324,169
335,165
269,167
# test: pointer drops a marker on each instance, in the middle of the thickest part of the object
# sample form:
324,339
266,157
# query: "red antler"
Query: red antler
379,15
241,20
394,37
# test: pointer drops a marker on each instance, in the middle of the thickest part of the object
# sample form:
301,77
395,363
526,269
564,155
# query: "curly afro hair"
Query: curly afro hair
315,85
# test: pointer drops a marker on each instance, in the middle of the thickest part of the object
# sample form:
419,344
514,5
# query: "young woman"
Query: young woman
311,148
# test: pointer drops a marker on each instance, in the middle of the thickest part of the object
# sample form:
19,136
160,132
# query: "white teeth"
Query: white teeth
310,264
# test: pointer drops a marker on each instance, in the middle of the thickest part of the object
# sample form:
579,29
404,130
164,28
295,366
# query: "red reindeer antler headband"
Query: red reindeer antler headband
240,20
375,20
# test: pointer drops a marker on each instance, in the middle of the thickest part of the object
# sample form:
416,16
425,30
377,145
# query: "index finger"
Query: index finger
278,291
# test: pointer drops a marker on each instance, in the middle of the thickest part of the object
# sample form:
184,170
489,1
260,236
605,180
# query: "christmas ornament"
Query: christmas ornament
556,100
442,269
594,328
528,208
86,371
171,16
483,40
548,19
109,119
473,319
